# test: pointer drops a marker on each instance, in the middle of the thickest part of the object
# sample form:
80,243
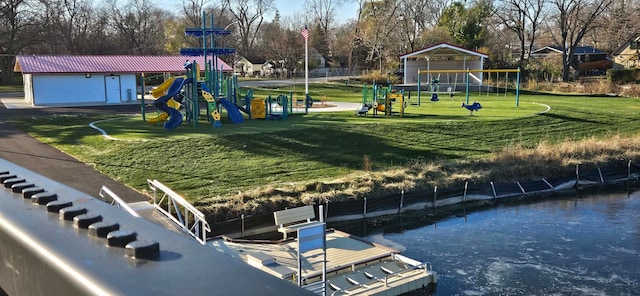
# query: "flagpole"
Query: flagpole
306,67
307,99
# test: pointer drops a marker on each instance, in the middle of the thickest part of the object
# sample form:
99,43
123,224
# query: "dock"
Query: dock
354,266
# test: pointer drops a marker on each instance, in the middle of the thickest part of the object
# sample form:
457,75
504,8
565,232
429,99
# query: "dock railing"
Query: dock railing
180,211
390,276
116,201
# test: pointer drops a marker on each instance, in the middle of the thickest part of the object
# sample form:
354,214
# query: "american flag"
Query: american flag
305,33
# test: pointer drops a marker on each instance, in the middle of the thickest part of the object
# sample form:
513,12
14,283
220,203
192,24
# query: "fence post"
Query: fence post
601,178
242,225
493,189
435,196
464,195
326,210
365,208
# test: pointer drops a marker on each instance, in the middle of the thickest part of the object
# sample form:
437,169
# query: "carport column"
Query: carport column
518,88
467,77
482,73
404,69
429,73
418,87
142,94
464,63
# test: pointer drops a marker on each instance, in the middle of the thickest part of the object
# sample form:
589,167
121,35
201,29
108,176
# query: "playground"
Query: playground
209,94
335,155
232,150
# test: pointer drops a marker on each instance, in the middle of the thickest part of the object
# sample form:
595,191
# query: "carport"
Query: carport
442,56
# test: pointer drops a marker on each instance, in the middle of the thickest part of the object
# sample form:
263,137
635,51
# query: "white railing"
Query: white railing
180,211
116,201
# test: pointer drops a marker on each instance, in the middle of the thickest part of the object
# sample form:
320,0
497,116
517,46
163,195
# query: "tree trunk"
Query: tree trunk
6,65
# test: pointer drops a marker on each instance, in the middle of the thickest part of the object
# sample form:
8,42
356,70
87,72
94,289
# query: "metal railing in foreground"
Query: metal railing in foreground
116,201
180,211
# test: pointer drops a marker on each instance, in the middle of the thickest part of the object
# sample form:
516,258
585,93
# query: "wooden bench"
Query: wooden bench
291,220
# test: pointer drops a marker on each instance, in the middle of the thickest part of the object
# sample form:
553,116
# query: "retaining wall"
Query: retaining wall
434,198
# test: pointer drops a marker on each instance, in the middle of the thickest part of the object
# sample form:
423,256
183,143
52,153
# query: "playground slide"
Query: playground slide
175,116
161,117
164,116
175,119
162,88
233,111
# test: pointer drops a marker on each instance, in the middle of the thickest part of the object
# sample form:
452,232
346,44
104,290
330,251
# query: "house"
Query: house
582,54
586,59
442,56
92,80
250,66
628,54
316,59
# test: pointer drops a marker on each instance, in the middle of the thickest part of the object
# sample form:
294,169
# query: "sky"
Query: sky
348,10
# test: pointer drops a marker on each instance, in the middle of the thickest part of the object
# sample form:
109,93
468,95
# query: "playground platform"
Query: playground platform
354,266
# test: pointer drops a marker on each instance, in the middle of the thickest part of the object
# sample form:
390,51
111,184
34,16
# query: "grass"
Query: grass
258,166
334,92
11,88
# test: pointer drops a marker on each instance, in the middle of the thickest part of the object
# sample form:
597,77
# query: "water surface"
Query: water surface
584,244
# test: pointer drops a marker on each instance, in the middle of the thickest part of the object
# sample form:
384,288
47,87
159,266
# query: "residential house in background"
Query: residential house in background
587,60
628,54
249,66
316,59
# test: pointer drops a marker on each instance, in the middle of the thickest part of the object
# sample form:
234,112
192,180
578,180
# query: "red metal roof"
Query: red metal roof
107,64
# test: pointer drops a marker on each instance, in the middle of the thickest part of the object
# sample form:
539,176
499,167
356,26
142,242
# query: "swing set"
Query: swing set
468,74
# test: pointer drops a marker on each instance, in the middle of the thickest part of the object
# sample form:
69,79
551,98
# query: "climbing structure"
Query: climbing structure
213,70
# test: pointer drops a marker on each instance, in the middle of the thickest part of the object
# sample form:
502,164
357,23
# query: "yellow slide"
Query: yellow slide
164,116
161,90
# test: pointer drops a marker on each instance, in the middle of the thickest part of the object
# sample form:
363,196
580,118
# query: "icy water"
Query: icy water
584,244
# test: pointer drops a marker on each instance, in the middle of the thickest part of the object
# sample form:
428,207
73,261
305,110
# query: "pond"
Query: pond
584,243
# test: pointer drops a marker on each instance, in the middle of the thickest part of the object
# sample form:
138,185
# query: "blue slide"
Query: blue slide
175,116
233,111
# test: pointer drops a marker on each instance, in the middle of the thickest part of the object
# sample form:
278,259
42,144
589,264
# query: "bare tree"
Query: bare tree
377,21
522,17
193,11
139,25
415,17
573,20
323,12
615,25
22,26
77,28
249,15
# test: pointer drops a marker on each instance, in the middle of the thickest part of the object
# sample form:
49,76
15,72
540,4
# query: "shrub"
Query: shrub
379,78
624,76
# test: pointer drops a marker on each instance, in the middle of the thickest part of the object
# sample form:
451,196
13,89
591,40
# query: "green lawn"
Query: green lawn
11,88
306,152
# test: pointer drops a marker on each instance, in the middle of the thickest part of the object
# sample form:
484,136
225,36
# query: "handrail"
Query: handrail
413,265
117,201
197,228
